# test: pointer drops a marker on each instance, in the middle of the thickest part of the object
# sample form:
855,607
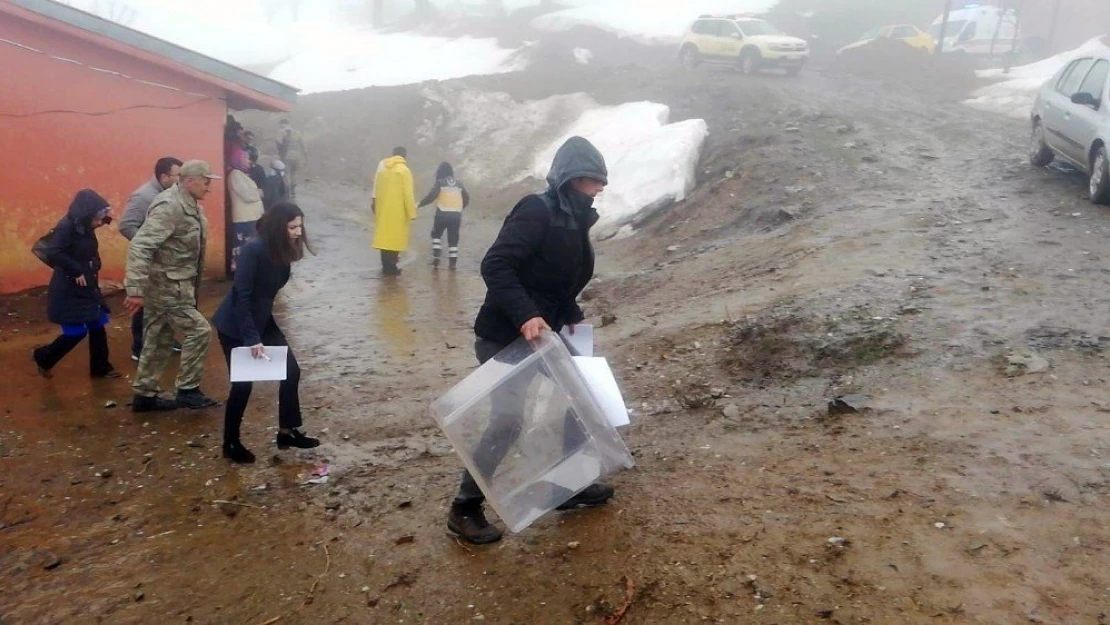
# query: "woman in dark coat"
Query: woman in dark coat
75,303
246,319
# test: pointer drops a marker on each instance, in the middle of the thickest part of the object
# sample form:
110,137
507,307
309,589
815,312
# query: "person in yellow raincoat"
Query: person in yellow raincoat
394,207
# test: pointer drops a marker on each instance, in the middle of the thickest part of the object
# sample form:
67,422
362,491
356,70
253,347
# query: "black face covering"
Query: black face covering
579,202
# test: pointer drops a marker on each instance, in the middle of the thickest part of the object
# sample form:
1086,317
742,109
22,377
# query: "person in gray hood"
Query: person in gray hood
167,170
534,271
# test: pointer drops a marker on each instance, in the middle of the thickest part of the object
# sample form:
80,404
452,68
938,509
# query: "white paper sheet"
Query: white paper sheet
604,387
582,340
245,368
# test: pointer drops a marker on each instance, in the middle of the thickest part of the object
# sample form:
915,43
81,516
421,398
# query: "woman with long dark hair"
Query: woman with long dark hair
74,299
246,319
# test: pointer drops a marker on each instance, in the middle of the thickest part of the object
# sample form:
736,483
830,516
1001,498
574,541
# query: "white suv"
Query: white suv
751,42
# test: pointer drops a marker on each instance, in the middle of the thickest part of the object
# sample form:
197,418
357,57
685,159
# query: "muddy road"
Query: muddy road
847,236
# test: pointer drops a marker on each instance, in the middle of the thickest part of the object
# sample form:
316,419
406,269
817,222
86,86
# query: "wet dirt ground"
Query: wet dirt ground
847,237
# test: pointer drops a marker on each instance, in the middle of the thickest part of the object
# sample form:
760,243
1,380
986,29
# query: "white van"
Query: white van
972,29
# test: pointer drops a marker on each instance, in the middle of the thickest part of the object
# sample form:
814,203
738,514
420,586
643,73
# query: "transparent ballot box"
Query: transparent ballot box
529,430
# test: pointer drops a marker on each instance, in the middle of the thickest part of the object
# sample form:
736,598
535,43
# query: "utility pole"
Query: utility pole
1052,31
944,27
1011,57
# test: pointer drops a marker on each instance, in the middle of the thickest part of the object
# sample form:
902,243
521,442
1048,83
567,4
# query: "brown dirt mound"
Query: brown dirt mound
788,346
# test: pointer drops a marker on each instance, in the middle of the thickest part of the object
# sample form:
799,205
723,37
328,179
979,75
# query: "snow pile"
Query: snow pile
332,58
233,32
491,136
651,163
494,139
646,21
1014,95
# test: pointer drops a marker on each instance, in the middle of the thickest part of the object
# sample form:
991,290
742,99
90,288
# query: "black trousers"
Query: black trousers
289,399
137,332
390,260
49,355
450,222
506,421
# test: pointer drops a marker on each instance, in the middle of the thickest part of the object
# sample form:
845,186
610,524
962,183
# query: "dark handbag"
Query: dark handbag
39,249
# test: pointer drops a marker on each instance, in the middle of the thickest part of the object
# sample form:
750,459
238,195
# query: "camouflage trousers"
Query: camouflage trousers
160,322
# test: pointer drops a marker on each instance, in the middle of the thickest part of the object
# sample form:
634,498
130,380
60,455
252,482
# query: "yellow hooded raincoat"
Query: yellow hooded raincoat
394,205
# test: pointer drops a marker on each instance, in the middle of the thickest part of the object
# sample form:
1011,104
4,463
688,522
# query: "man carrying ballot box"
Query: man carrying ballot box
541,261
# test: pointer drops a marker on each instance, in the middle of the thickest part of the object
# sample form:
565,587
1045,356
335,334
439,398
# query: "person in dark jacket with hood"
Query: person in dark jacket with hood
246,319
450,197
74,300
541,261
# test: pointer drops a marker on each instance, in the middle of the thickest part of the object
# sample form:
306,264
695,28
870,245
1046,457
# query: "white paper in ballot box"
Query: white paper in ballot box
247,368
603,386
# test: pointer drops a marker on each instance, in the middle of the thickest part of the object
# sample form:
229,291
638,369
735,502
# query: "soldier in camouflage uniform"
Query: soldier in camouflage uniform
164,267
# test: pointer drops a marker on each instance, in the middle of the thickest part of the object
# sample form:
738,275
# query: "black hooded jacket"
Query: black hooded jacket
73,251
542,258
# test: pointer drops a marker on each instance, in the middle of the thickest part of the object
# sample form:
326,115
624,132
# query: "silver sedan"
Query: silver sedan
1071,121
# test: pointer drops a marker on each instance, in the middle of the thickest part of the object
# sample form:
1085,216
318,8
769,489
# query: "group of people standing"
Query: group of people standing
394,207
165,265
540,262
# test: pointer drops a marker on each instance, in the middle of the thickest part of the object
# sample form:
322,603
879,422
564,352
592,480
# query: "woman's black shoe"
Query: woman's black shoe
43,371
238,454
111,373
296,439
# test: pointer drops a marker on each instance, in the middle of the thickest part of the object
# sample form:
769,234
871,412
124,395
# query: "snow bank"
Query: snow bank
646,21
651,162
314,49
1013,96
494,139
329,58
233,32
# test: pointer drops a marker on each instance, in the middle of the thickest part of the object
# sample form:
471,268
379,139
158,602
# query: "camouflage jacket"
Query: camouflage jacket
165,261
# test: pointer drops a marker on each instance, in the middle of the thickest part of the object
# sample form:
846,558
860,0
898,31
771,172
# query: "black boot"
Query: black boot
193,399
594,495
49,355
296,439
467,521
152,404
238,454
43,371
453,263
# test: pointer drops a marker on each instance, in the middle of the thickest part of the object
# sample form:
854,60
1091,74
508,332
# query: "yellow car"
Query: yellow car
906,33
750,42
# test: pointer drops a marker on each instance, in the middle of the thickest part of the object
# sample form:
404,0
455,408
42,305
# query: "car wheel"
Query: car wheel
1100,177
1040,155
690,57
749,61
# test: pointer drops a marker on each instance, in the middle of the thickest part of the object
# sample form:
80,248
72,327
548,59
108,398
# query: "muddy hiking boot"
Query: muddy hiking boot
468,522
193,399
296,439
238,454
152,404
594,495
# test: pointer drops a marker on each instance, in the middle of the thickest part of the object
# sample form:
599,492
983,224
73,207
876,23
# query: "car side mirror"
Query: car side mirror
1084,99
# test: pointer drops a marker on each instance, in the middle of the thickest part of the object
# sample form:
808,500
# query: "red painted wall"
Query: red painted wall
46,158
